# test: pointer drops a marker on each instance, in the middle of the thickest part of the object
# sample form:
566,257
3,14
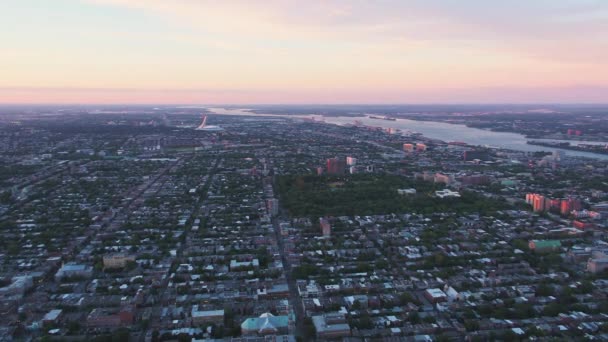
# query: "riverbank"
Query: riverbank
567,146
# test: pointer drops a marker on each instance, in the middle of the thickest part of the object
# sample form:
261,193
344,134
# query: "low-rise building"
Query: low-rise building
446,193
266,324
117,260
331,325
435,295
206,316
597,265
238,265
52,317
17,287
544,245
71,270
411,191
102,318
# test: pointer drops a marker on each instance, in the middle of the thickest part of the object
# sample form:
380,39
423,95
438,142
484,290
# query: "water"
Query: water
474,136
442,131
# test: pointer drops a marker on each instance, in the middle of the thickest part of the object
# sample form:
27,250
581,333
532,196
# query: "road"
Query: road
294,297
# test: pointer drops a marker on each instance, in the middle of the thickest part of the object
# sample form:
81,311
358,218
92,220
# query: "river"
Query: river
441,131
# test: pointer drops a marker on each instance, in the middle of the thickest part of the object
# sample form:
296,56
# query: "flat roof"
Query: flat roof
436,292
52,315
321,326
206,313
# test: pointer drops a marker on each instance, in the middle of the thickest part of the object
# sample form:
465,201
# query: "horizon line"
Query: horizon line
5,104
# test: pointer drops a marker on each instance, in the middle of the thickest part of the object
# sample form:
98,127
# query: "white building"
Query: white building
447,193
74,270
411,191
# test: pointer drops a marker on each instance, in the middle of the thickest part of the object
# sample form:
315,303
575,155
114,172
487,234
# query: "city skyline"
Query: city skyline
196,52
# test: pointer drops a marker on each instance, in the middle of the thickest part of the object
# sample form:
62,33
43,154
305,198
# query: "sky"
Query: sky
299,52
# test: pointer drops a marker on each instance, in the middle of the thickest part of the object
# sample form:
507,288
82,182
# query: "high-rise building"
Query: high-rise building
325,227
553,204
475,180
272,205
565,208
597,265
350,161
420,147
574,132
408,147
443,178
428,176
336,166
558,155
568,205
539,203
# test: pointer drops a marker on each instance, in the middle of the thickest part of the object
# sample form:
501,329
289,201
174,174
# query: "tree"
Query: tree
586,287
429,319
469,314
414,317
73,327
523,310
121,335
5,197
552,309
155,336
407,297
509,335
471,325
544,290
